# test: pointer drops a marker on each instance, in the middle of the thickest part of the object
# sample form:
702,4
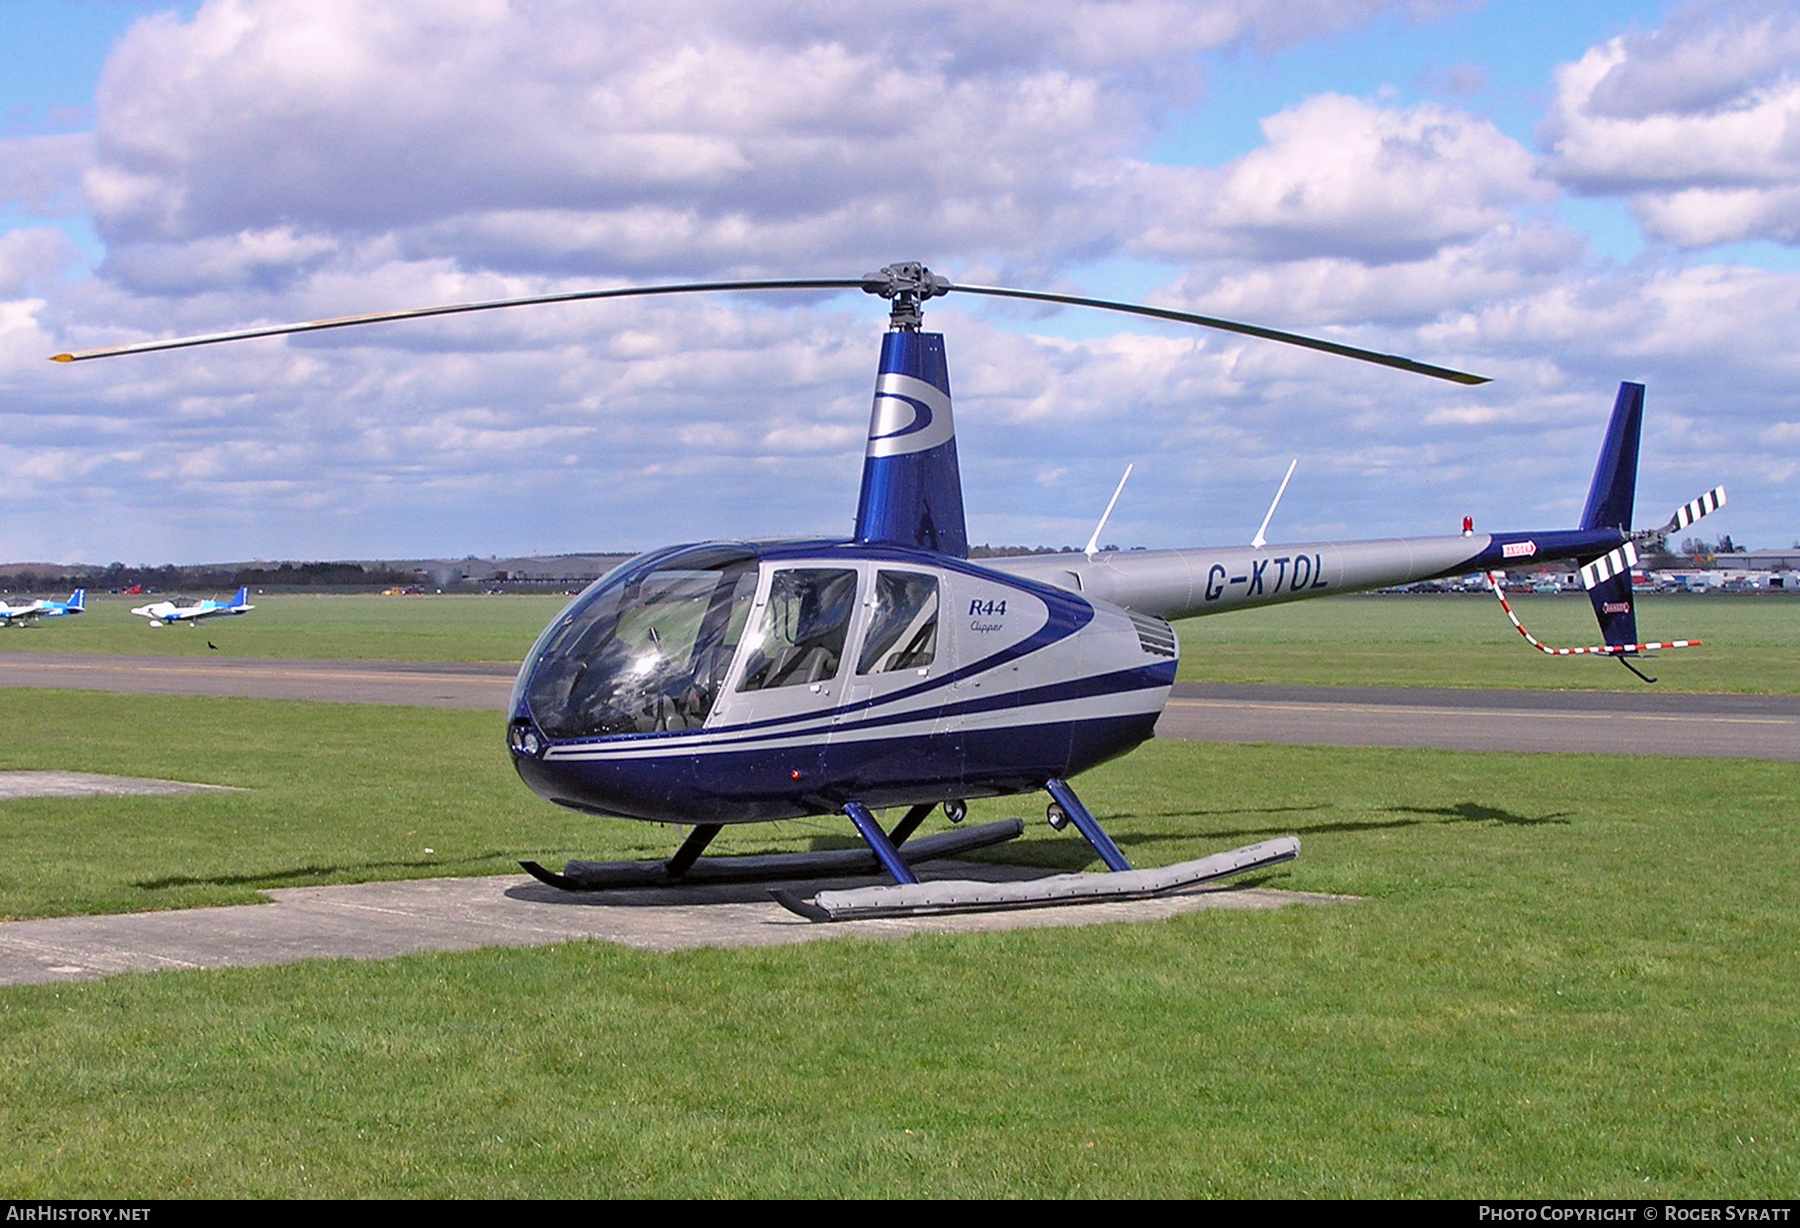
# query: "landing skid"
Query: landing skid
929,899
908,897
606,875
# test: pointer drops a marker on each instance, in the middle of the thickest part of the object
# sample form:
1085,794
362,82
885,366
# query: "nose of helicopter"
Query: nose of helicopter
524,739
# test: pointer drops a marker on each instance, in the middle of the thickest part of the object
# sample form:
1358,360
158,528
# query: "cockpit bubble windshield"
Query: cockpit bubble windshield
646,651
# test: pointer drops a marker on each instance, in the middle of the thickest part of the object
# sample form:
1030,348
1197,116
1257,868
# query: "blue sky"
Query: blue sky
1500,186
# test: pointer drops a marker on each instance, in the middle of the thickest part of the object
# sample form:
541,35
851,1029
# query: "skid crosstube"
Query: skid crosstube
605,875
927,899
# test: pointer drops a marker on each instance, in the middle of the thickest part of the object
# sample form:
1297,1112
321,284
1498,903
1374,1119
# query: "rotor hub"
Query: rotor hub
906,285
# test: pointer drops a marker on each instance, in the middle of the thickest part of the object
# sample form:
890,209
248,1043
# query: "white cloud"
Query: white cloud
1506,261
611,137
1345,178
33,258
1697,123
278,161
40,173
1701,217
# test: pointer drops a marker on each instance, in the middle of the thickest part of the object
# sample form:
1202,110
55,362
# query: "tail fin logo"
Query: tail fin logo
910,416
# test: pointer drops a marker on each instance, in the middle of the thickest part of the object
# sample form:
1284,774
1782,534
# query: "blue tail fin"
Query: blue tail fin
243,596
77,601
1609,505
1615,477
911,486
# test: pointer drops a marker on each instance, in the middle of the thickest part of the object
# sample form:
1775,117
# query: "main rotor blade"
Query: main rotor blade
1232,326
416,313
872,283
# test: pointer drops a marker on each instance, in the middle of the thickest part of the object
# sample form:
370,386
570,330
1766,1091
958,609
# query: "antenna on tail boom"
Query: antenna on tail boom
1261,540
1093,546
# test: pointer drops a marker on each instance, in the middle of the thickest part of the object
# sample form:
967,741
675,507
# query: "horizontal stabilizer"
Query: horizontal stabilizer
1614,563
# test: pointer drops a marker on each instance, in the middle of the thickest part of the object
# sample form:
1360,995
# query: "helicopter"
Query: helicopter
727,682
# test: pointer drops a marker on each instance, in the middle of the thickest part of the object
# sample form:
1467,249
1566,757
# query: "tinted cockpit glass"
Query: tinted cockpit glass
646,651
903,628
801,636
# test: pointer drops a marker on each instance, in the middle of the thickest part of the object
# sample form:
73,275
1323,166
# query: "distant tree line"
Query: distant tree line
1695,548
170,577
985,551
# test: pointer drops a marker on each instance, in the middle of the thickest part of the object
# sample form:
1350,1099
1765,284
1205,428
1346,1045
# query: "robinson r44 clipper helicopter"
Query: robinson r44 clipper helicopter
744,682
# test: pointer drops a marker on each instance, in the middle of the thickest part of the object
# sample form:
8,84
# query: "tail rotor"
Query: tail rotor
1687,514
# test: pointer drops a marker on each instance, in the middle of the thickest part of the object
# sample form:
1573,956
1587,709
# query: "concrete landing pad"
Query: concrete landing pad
380,920
87,784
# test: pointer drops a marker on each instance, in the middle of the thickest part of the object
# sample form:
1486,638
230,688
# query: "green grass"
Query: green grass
1751,643
1569,975
331,627
334,793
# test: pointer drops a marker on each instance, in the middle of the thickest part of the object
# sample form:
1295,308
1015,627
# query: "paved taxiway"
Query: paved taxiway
1641,722
381,920
413,684
1605,722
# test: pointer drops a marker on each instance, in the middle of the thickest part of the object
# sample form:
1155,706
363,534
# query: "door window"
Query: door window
804,625
903,626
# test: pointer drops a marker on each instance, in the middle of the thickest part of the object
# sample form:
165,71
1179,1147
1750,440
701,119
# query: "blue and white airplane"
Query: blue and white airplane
27,615
191,612
746,681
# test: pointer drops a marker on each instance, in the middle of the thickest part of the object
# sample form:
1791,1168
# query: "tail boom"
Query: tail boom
1187,583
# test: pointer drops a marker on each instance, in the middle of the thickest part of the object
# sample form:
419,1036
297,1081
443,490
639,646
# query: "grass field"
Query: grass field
1752,641
327,626
1568,975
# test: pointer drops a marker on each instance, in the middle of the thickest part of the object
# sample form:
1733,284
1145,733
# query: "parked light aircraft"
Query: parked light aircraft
192,612
746,681
26,615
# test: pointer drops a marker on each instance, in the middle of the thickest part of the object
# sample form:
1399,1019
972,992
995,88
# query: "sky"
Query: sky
1558,196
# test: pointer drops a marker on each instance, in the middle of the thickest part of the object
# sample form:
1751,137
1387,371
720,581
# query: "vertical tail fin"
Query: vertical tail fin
78,601
243,596
911,486
1609,506
1615,478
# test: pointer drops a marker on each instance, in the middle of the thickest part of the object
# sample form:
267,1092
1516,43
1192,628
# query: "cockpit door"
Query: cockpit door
888,726
786,682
